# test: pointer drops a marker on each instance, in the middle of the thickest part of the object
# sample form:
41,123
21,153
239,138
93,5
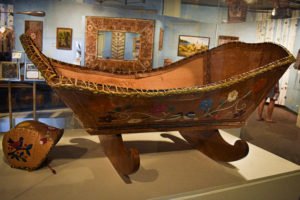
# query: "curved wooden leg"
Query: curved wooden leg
214,146
125,161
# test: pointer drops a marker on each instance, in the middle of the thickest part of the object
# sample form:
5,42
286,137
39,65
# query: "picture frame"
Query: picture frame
64,38
161,39
16,55
144,27
32,73
223,39
9,71
237,12
189,45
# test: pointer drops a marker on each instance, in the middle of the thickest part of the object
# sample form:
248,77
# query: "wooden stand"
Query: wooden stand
127,161
211,143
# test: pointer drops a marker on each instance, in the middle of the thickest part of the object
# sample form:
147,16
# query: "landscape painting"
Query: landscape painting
189,45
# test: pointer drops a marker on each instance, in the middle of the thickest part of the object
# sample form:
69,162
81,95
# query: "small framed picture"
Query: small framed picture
32,73
16,55
189,45
223,39
161,39
9,71
64,38
237,11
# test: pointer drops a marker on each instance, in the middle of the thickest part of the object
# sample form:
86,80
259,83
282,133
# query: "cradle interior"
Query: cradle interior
221,63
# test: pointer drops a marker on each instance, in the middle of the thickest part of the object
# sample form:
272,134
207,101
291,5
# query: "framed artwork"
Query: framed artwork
64,38
142,28
161,39
16,55
189,45
9,71
118,45
237,11
225,39
32,73
35,30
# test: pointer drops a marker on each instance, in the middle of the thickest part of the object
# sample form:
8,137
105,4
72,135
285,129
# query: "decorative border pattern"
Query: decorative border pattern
141,26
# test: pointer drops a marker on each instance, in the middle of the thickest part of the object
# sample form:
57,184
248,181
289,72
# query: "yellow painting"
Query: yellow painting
189,45
64,38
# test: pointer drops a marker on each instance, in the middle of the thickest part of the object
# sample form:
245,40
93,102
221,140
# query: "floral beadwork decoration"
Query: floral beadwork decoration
18,150
206,104
233,102
232,96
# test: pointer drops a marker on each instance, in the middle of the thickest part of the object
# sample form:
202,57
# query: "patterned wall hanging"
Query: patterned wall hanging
118,45
35,30
145,28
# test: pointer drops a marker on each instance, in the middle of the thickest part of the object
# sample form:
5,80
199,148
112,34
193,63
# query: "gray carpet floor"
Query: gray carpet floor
281,138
